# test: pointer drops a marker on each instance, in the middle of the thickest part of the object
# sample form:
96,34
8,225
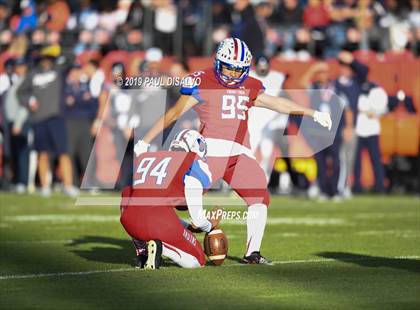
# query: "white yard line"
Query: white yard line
69,218
63,218
36,241
381,215
325,260
115,201
89,272
310,221
61,274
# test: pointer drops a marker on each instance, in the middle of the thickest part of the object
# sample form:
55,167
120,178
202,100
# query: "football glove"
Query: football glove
323,118
141,147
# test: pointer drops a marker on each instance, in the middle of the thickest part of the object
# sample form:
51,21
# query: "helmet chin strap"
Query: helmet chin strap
227,83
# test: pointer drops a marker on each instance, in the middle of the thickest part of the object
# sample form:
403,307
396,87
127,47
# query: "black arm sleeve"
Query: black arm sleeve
360,70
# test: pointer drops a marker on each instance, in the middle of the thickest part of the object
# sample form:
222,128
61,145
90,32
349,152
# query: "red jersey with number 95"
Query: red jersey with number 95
223,111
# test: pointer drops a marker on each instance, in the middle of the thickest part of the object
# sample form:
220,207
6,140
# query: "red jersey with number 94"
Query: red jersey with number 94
223,111
158,177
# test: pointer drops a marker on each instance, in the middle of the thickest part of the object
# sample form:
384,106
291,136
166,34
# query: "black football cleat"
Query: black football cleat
256,258
154,255
141,252
141,261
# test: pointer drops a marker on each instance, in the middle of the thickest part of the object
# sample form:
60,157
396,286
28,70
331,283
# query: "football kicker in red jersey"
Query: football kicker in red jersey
222,97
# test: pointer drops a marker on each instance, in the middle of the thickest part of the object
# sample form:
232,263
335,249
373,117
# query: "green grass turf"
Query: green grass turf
328,256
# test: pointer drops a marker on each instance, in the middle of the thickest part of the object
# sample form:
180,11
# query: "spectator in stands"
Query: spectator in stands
303,45
135,18
102,40
316,18
38,38
152,66
130,33
353,40
289,19
221,20
7,76
86,18
28,18
111,16
80,109
315,15
6,37
245,23
414,20
128,39
340,14
6,79
221,14
192,35
17,117
165,25
414,14
84,43
263,11
4,16
124,36
395,25
57,15
365,16
41,93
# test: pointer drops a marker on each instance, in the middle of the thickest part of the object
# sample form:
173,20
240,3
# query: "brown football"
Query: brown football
216,246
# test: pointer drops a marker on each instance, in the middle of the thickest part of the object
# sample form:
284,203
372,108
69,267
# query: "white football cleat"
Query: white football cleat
154,255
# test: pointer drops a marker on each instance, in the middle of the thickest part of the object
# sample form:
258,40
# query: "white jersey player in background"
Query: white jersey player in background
264,123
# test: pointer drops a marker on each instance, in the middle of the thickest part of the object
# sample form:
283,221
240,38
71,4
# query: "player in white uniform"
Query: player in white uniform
263,123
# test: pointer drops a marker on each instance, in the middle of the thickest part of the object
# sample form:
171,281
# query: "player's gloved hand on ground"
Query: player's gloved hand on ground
215,217
141,147
323,118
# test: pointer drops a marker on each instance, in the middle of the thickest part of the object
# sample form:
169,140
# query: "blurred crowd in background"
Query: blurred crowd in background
59,60
290,28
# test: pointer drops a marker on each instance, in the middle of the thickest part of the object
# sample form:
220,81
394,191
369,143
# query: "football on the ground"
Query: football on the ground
216,246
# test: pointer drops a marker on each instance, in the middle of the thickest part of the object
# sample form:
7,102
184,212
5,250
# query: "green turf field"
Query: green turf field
362,254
